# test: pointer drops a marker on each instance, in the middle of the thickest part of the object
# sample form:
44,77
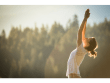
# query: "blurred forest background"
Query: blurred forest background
34,53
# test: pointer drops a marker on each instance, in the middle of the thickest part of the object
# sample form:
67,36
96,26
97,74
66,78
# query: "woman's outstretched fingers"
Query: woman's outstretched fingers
87,14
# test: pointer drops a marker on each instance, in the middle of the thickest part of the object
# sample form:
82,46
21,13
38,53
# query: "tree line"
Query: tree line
39,53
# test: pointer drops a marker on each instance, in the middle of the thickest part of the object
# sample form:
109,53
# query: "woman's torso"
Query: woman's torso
77,56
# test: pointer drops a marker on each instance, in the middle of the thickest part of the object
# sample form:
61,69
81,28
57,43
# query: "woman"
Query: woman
84,45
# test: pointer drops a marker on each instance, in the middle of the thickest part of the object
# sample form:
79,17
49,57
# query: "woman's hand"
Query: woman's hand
87,14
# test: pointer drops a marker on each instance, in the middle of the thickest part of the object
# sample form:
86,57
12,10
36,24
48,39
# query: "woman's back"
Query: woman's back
75,59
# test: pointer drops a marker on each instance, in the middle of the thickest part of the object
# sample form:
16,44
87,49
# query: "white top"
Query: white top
75,59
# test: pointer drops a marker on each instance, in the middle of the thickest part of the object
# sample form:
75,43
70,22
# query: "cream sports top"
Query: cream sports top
75,59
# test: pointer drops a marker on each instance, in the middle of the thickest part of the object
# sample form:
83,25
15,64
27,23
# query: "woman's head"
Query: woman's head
90,46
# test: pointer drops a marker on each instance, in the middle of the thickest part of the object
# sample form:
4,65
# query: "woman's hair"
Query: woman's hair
93,54
92,46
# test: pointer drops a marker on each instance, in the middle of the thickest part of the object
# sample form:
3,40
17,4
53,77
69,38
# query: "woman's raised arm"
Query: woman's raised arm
81,32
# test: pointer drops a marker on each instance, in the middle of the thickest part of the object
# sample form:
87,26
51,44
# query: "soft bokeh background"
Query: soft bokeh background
36,41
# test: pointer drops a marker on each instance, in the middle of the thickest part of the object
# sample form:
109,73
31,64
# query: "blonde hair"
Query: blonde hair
93,54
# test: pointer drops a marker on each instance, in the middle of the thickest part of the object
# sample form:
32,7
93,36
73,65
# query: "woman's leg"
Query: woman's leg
73,75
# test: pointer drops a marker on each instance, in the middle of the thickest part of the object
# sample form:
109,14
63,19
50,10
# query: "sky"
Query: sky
28,15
